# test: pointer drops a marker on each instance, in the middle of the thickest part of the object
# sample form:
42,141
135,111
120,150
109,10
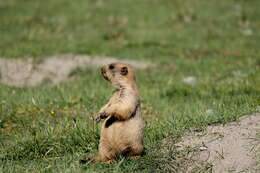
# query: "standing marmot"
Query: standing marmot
123,129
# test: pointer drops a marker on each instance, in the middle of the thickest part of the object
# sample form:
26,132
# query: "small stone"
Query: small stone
190,80
239,74
209,111
247,32
203,148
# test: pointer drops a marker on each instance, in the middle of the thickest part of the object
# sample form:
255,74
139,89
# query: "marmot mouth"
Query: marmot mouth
104,75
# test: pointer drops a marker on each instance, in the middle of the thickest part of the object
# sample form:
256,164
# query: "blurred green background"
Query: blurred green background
49,128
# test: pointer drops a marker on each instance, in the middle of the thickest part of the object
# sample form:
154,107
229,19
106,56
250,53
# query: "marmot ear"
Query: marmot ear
124,71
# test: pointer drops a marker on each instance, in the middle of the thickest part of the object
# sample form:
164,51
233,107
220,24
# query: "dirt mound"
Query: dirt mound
54,69
233,147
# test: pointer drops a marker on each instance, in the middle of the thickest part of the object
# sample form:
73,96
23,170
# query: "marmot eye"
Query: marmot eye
111,67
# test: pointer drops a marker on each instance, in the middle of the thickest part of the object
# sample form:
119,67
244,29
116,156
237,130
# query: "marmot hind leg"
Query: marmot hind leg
106,154
136,152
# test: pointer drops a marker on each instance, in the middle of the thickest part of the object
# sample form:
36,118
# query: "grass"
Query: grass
49,128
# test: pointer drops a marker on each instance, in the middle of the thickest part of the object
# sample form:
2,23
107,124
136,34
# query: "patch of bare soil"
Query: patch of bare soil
233,147
54,69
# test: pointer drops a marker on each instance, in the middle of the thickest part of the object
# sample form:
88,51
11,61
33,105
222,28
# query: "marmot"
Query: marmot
122,131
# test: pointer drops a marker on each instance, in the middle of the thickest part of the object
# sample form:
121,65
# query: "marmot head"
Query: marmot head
118,74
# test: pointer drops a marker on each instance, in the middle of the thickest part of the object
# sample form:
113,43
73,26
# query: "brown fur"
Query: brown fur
123,129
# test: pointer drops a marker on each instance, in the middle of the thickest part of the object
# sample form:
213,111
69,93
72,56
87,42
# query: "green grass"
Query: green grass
49,128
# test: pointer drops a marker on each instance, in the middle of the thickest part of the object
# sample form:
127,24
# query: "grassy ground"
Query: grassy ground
49,128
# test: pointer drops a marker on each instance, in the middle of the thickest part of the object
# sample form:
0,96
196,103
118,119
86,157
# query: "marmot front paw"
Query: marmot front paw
101,116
